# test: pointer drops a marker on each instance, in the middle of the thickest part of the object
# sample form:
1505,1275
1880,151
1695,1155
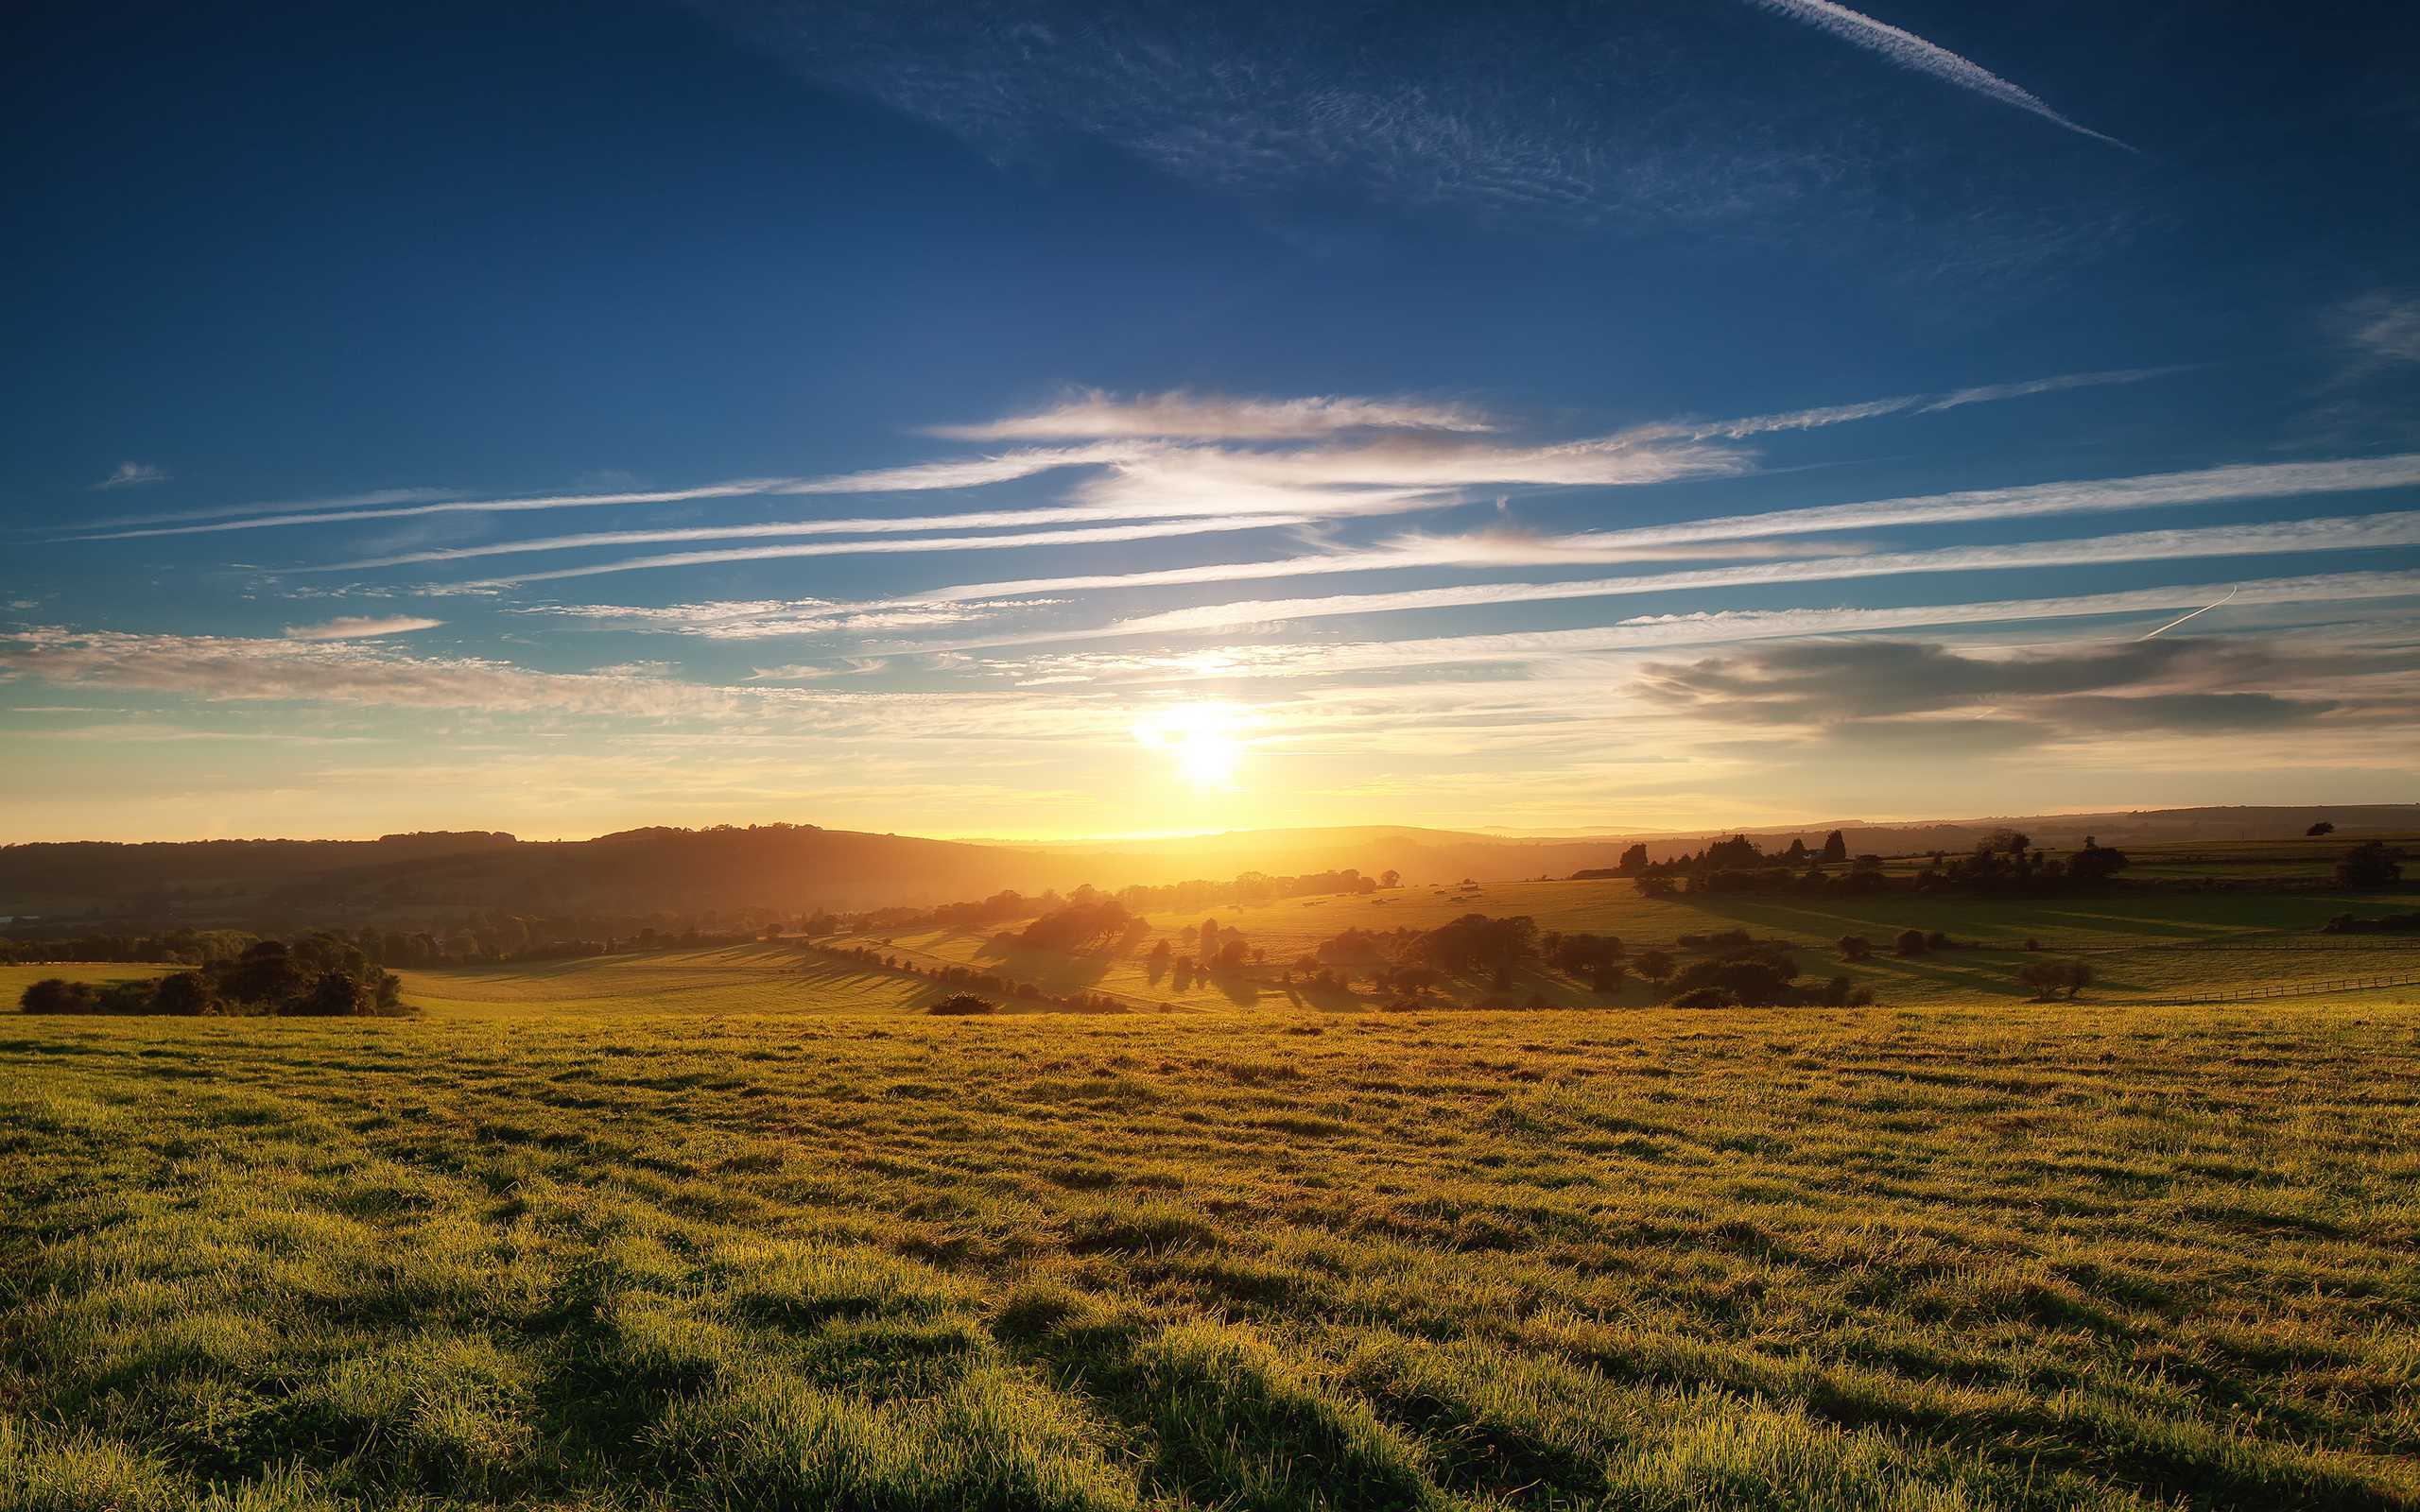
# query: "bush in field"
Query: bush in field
1856,948
1705,997
1655,965
962,1005
56,995
1912,942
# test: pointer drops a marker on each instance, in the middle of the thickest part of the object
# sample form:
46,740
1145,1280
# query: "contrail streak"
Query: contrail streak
2182,618
1910,51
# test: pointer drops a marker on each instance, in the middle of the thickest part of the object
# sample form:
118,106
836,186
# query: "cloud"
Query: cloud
2383,327
1297,658
229,668
2101,495
1910,51
134,476
358,627
1153,462
842,548
771,619
1867,688
1091,413
2348,533
1988,393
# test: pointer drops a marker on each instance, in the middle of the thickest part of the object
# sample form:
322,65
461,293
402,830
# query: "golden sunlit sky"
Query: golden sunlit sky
1047,426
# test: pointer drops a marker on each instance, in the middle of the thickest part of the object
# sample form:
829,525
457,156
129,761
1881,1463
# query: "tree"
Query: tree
962,1005
1836,847
2368,867
1655,965
336,994
1657,886
2048,977
1634,860
2096,862
2011,842
1390,878
1796,854
2323,827
1856,947
1209,938
188,994
1912,942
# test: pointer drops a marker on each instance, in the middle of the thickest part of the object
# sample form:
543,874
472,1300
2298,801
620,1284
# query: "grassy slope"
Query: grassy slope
2024,1258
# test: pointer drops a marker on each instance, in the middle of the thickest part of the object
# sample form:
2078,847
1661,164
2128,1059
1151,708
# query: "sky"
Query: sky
1031,421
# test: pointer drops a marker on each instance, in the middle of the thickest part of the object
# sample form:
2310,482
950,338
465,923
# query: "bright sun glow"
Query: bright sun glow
1203,737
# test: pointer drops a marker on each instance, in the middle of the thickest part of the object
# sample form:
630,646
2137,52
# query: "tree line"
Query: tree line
319,976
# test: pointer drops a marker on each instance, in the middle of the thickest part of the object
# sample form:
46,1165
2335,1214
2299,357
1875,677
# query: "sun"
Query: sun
1204,739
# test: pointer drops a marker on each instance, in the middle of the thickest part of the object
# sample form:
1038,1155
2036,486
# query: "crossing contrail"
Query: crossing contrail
1909,50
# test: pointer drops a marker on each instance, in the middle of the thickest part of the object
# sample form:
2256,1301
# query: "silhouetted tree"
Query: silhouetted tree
1836,847
1634,860
2367,866
2323,827
1655,965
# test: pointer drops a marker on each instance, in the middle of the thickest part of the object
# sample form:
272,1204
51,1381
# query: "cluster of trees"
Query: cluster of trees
2370,867
1087,924
2003,862
1744,973
322,976
480,938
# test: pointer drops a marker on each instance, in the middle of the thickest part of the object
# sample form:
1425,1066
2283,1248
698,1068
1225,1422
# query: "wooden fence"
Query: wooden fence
2292,989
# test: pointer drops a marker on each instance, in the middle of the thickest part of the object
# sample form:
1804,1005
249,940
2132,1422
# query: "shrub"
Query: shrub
1705,997
1856,948
1912,942
962,1005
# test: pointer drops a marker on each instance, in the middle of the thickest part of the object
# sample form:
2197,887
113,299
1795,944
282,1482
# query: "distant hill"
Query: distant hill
799,867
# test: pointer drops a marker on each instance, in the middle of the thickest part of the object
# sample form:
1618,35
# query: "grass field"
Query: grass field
2029,1258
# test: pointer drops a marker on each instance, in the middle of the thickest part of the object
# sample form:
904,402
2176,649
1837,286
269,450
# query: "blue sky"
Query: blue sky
1024,419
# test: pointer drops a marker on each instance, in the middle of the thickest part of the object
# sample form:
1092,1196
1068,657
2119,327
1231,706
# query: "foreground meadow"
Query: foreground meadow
2033,1258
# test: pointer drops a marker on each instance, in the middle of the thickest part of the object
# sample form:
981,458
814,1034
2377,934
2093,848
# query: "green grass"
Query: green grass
525,1252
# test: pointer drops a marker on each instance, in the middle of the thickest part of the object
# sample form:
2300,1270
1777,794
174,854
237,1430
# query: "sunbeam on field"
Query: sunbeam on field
1203,740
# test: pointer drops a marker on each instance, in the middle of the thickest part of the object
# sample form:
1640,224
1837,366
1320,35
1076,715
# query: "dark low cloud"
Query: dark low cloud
1924,694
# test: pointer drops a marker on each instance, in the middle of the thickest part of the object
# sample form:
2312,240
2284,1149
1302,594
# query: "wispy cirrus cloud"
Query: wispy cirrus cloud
360,627
2023,501
132,476
923,543
1093,414
2353,533
775,619
1295,659
1155,456
1910,51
